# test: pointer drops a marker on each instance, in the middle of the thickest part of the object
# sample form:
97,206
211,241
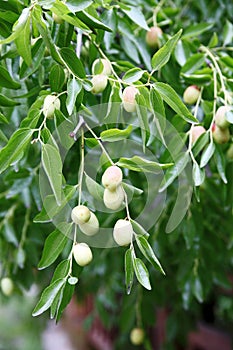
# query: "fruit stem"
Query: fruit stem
126,205
81,171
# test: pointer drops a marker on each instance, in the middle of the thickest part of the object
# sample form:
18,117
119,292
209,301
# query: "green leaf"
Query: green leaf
138,229
15,147
54,244
57,78
173,100
112,135
207,154
91,21
197,289
136,15
158,111
162,56
7,81
23,43
129,271
141,273
193,63
37,53
137,163
197,29
74,5
62,270
48,296
7,102
148,253
68,292
133,75
114,108
95,189
198,175
17,27
227,33
3,119
131,190
142,114
52,164
73,63
221,163
73,89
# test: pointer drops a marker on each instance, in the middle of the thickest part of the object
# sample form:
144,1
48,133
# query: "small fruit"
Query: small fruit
197,131
99,83
82,254
220,117
91,227
230,152
191,94
57,18
7,286
51,103
123,232
114,199
137,336
220,135
128,98
112,177
80,214
101,66
153,35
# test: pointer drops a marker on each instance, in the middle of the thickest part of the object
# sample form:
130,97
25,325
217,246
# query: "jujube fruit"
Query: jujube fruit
105,64
112,177
114,199
91,227
51,103
191,94
153,35
82,254
128,98
7,286
196,132
123,232
80,214
137,336
220,135
220,117
99,83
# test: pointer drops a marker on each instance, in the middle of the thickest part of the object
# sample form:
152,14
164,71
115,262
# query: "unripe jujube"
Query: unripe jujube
80,214
99,83
128,98
114,199
153,35
191,94
82,254
137,336
197,131
220,135
220,117
51,103
91,227
7,286
123,232
106,67
112,177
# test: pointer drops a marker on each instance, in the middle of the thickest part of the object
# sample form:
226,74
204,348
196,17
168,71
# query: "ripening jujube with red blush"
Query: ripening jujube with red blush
153,35
191,94
128,98
220,117
196,132
220,135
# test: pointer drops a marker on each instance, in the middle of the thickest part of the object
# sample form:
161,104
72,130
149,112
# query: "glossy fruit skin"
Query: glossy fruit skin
51,103
7,286
91,227
220,135
197,131
57,19
114,199
191,94
80,214
152,36
230,152
123,232
99,83
137,336
220,119
82,254
128,98
107,70
112,177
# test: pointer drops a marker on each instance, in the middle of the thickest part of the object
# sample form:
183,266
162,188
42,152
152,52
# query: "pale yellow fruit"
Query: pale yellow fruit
7,286
220,135
114,199
123,232
191,94
220,117
197,131
106,66
153,35
82,254
137,336
91,227
51,103
128,98
112,177
80,214
99,83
